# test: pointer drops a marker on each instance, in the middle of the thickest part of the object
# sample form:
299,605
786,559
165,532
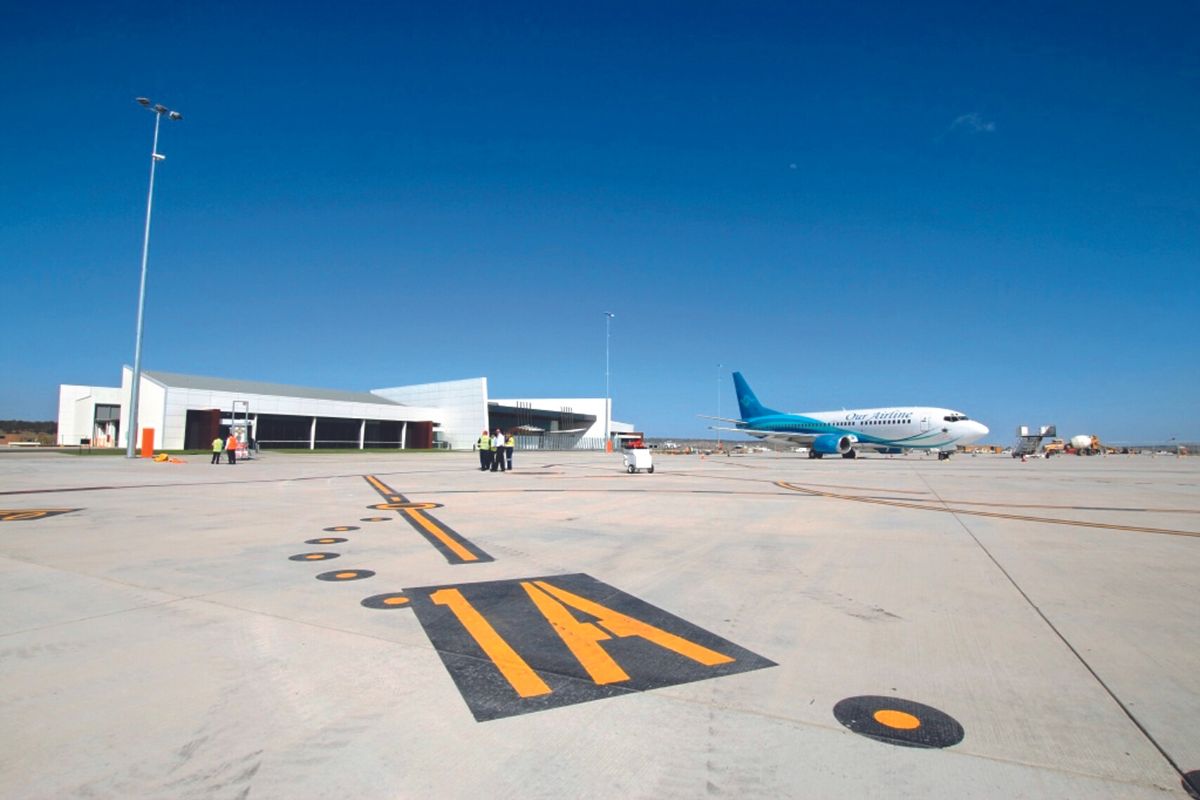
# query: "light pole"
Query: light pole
719,405
608,315
159,110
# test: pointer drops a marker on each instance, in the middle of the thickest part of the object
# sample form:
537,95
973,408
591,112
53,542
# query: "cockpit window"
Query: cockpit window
955,417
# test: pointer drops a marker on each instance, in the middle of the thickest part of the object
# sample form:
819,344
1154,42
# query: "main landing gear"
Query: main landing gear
848,454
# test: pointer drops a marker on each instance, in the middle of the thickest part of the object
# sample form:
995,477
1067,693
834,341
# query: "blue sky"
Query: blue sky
861,204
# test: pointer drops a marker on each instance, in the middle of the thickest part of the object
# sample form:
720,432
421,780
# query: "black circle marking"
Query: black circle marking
339,575
341,528
933,729
1191,783
387,601
326,540
313,556
376,519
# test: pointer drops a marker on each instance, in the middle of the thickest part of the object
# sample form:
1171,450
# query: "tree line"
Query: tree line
24,426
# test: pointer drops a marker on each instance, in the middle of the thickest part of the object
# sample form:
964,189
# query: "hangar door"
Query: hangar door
203,425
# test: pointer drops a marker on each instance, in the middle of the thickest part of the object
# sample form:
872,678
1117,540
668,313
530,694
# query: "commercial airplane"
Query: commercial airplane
844,433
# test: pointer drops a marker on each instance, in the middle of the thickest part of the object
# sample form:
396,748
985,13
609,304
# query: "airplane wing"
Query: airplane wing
804,439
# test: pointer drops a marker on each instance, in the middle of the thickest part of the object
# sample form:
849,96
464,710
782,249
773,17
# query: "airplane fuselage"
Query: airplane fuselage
888,430
906,427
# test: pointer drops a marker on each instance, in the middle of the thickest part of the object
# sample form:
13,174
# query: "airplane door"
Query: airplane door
925,424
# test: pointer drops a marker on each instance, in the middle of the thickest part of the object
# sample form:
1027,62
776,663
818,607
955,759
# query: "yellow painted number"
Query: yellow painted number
524,681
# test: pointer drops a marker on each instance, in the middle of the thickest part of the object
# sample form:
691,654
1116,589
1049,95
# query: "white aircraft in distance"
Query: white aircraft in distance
844,433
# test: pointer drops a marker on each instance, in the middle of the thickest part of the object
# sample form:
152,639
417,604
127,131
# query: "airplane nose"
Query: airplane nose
981,429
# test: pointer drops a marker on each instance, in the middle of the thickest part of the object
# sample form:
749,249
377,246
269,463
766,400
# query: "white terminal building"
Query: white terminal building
186,412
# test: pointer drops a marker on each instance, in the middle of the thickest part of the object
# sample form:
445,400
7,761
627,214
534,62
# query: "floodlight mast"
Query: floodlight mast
608,316
159,110
719,366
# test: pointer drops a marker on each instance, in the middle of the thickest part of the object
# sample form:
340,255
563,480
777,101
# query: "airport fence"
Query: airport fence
546,442
558,443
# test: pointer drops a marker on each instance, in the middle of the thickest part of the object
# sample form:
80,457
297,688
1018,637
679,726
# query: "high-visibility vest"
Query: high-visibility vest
231,443
218,445
485,443
509,442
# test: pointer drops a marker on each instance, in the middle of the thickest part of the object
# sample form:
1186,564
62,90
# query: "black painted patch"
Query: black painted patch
862,715
388,601
340,528
326,540
345,575
30,514
376,519
1191,783
649,647
313,556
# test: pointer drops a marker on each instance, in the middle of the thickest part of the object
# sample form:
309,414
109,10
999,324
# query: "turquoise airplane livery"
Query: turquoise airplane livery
846,433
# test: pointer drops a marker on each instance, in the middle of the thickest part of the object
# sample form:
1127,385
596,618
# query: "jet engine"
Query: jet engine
830,443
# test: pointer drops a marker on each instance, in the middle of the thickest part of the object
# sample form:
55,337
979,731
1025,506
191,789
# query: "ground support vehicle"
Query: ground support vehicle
637,459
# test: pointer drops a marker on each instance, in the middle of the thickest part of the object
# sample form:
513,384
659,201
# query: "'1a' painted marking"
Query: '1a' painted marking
517,646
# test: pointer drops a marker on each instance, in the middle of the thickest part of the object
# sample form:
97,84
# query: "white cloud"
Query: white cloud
974,123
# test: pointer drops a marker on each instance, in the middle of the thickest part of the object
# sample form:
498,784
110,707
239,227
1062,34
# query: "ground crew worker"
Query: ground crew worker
509,444
231,446
217,446
498,451
485,451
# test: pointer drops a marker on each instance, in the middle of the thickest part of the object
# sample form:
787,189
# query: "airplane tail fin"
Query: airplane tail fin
748,403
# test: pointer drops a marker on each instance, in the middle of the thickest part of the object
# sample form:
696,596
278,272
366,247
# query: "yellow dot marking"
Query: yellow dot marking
395,601
897,719
314,556
344,575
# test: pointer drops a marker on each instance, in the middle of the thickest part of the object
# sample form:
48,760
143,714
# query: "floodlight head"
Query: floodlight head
144,100
160,108
175,115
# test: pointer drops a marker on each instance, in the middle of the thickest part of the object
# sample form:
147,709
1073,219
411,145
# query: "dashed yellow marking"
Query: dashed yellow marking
22,514
383,488
440,535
